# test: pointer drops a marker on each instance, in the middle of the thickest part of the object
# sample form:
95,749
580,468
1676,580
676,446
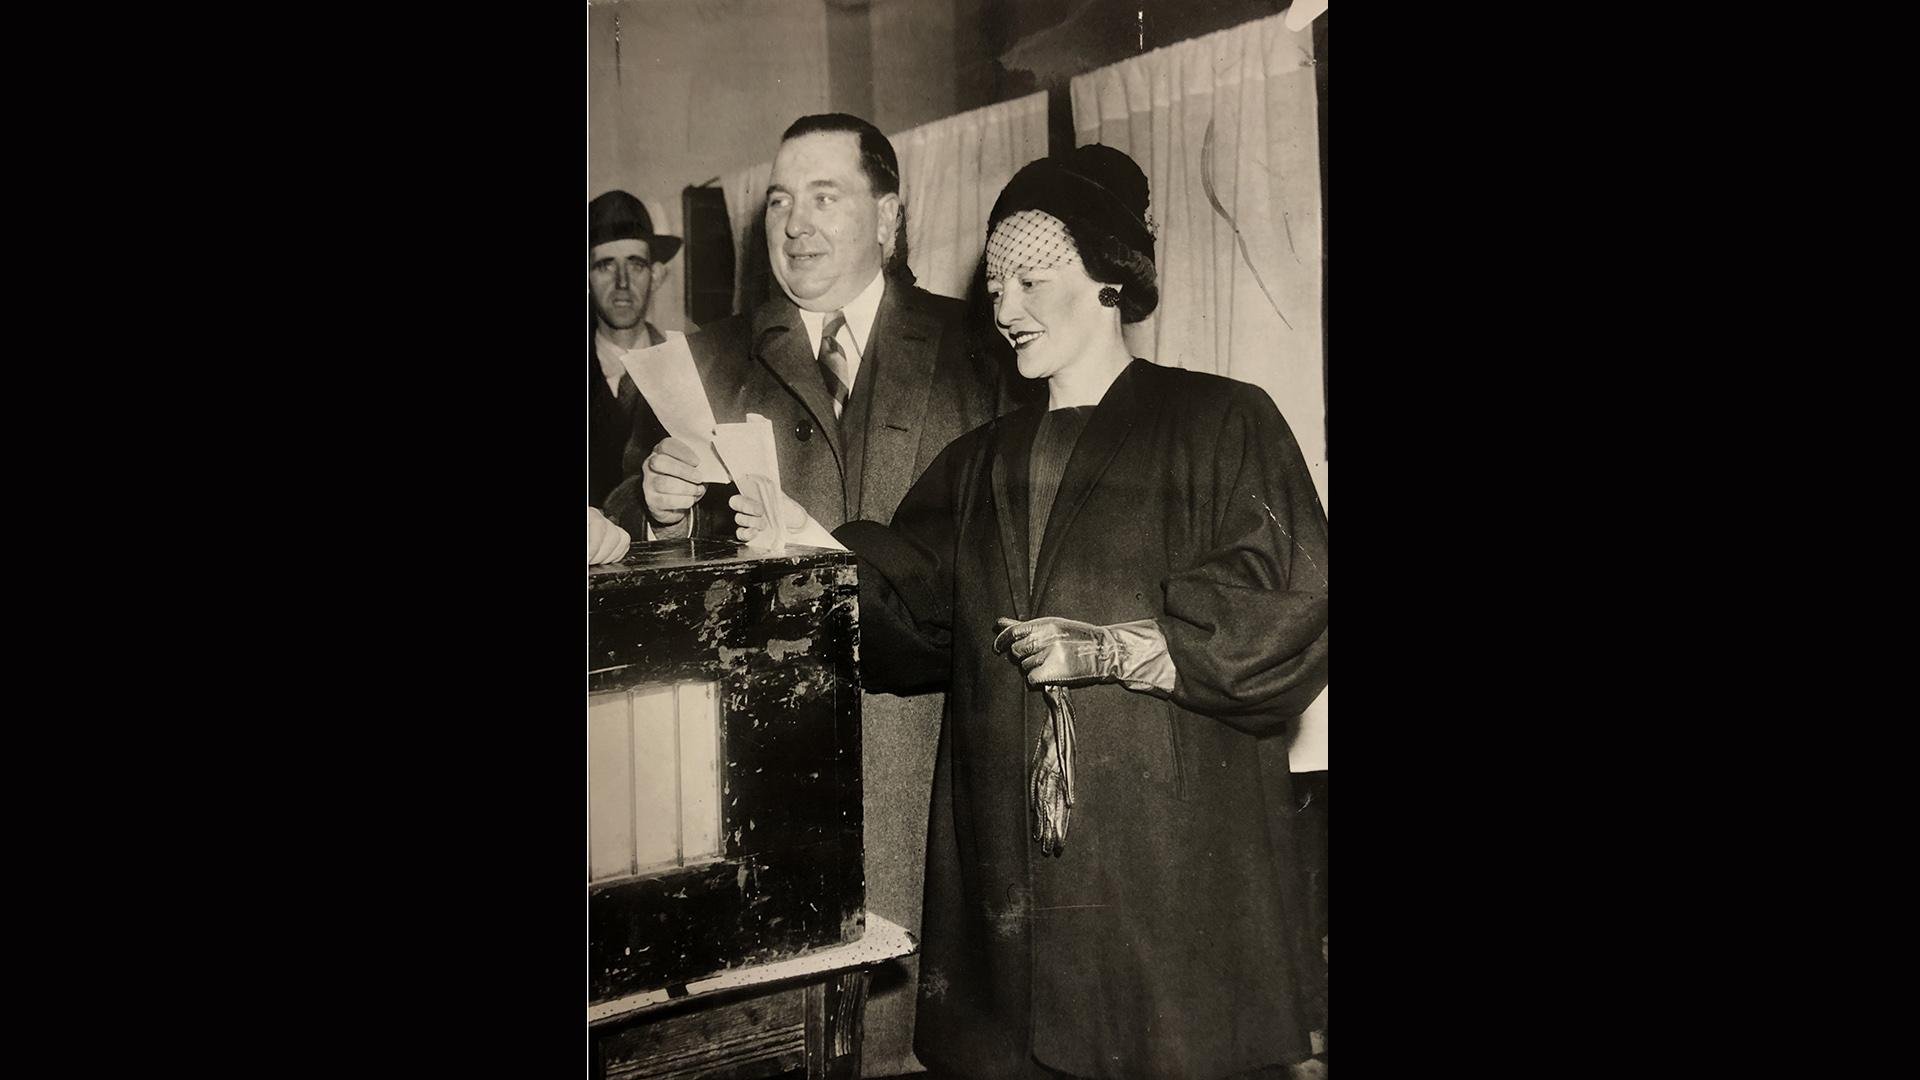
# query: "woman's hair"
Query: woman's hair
1111,261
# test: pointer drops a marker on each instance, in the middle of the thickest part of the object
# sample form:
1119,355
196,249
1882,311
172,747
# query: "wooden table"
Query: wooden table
792,1018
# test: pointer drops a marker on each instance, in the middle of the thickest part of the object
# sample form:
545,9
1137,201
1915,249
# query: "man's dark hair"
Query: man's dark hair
877,162
877,159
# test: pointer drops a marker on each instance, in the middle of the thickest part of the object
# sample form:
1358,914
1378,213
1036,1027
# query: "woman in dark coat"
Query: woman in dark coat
1126,593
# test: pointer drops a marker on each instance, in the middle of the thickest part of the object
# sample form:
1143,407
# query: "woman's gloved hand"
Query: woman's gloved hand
1067,652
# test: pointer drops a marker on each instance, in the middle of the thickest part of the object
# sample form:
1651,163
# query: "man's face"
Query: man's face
825,229
620,273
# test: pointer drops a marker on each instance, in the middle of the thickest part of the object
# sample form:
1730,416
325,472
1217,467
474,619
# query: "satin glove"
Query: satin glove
1066,652
606,542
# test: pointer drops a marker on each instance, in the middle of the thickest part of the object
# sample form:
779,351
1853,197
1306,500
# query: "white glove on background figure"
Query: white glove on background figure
606,542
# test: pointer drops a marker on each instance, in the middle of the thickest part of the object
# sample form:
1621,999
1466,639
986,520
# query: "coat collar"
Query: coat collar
908,333
900,358
780,342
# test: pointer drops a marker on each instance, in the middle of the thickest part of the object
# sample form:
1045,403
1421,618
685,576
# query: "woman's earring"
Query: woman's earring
1109,296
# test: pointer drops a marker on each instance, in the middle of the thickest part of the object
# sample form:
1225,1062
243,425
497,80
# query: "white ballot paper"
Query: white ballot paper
748,453
671,384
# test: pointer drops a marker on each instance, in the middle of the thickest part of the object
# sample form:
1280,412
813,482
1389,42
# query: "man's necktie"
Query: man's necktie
833,363
628,395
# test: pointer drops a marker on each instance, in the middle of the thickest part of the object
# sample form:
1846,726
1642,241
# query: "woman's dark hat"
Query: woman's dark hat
1092,186
619,216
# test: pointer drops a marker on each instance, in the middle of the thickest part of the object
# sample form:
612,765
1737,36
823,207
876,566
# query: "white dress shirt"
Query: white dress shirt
860,313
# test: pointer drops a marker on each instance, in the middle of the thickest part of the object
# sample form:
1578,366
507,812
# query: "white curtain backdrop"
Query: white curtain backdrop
951,170
746,193
1233,111
668,310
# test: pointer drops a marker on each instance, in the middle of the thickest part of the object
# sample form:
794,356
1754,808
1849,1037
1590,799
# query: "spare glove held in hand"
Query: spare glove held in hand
1050,795
1054,653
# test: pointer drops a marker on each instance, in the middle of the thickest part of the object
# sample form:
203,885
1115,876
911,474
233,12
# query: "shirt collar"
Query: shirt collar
860,313
609,354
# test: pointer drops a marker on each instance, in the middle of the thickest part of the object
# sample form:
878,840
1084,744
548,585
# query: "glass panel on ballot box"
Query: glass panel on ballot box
653,779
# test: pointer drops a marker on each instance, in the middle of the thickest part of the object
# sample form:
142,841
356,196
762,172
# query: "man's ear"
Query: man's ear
889,220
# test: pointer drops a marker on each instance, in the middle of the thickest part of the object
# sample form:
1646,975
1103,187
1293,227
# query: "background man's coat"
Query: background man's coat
613,421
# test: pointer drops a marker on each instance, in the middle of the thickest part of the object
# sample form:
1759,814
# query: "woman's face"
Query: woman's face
1043,301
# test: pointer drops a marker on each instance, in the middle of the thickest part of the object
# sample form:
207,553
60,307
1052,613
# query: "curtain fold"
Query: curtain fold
1226,128
746,194
951,170
668,311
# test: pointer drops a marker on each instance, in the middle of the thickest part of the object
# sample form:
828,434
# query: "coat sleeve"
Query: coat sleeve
906,580
1247,625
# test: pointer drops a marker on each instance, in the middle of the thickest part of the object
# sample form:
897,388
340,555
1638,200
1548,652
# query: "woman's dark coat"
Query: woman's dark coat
1166,940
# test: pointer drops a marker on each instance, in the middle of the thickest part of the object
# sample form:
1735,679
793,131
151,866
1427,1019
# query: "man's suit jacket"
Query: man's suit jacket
613,422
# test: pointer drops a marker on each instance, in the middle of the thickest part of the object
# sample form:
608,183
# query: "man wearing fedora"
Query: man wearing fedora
624,255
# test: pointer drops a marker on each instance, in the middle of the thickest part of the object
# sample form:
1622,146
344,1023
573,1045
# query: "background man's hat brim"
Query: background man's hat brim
617,215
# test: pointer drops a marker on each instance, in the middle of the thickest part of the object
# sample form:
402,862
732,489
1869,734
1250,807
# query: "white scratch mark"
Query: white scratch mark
1213,197
1297,545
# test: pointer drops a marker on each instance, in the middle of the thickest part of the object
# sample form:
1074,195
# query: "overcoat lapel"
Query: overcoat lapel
1106,432
780,342
1012,445
898,410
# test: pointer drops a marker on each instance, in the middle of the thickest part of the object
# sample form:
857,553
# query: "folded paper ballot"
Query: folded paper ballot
747,451
671,384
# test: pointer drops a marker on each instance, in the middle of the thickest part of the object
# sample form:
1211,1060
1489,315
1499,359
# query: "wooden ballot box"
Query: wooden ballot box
726,903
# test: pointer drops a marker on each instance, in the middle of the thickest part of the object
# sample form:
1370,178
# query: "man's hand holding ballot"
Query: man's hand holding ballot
672,483
795,525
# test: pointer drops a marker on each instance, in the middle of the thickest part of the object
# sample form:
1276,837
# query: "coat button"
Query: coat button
803,430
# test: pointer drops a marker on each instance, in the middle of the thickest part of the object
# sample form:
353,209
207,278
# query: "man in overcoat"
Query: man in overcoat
865,379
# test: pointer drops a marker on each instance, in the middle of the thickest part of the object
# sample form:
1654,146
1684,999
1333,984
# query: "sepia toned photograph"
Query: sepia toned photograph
957,486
